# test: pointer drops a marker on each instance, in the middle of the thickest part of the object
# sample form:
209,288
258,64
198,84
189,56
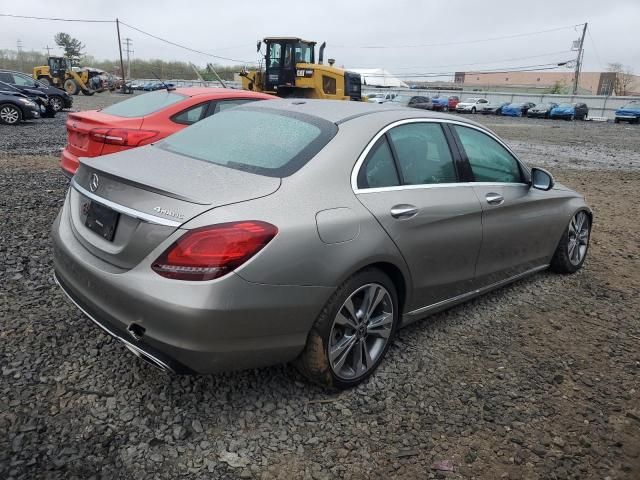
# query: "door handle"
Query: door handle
403,211
494,199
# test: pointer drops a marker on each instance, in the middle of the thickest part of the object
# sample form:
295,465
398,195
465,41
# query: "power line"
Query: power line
595,49
182,46
57,19
485,63
462,42
525,68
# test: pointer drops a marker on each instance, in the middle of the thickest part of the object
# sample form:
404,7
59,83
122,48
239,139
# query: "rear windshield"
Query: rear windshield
145,104
566,105
262,141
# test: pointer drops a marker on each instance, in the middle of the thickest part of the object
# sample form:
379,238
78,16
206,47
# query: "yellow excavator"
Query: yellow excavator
59,73
290,71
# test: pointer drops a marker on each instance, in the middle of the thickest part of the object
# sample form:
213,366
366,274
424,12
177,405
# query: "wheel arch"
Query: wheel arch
399,276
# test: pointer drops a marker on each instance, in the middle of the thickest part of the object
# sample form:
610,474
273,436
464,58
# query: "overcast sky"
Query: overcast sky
231,28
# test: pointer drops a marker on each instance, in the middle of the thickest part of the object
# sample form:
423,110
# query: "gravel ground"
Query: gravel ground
537,380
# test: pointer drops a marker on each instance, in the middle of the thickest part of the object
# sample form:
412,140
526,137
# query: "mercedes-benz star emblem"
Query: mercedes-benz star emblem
93,184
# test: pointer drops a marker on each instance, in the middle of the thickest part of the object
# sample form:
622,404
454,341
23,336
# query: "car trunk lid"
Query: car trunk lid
80,125
154,192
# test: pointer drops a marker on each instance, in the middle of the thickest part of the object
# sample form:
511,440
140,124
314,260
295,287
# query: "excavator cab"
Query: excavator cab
58,67
291,71
282,56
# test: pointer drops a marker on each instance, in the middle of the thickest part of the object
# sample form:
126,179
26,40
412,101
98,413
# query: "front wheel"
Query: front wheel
71,87
10,114
473,110
353,332
56,103
572,249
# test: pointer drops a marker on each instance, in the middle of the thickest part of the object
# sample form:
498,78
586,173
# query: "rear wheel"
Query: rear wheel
71,87
572,249
10,114
352,333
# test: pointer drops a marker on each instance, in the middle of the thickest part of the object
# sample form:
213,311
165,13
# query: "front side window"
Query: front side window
423,154
23,81
490,161
379,169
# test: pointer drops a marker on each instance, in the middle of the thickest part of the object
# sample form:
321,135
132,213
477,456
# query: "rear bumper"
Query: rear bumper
69,163
203,327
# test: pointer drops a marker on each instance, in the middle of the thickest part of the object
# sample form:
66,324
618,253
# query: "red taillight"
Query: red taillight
211,252
121,136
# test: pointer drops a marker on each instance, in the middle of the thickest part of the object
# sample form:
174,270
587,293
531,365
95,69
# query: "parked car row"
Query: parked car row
58,98
568,111
18,105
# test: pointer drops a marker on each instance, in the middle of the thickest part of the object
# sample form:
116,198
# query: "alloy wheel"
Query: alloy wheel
9,114
578,238
56,103
360,331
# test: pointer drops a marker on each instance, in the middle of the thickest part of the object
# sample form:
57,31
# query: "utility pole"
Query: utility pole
576,76
127,48
121,62
48,48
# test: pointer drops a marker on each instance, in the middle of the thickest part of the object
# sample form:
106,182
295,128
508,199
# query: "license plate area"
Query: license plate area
102,220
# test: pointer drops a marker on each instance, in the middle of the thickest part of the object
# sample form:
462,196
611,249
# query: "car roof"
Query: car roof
341,111
213,92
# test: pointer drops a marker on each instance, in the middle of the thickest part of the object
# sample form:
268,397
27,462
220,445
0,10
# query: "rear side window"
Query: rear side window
423,154
379,169
490,161
262,141
145,104
223,105
6,77
192,115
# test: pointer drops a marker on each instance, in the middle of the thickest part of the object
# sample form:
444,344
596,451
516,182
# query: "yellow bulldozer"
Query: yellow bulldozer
60,73
290,71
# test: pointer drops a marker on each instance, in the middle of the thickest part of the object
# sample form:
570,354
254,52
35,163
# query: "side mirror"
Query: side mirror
541,179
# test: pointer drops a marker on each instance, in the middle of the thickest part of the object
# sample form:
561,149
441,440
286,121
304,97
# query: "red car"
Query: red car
144,119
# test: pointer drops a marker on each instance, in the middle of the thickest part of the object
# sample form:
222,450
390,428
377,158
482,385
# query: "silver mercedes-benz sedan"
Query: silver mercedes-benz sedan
305,231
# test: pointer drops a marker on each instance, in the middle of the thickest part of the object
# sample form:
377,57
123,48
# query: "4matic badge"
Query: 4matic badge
168,213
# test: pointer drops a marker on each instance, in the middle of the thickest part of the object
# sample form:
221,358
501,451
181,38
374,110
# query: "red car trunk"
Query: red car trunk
80,125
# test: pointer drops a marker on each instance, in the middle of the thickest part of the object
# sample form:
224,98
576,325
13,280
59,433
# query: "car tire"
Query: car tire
343,328
10,114
56,103
473,109
574,244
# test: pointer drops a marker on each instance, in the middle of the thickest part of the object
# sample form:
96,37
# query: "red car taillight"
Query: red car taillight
121,136
211,252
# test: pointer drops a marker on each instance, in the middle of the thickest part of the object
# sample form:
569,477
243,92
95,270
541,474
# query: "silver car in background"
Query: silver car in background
305,231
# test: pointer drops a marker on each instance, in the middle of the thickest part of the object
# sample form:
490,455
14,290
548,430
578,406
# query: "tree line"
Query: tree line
25,61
